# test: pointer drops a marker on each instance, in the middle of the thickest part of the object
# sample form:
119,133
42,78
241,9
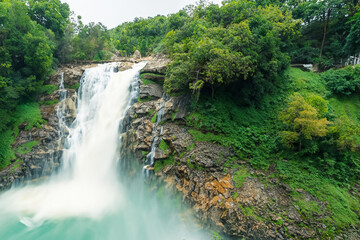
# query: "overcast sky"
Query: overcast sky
114,12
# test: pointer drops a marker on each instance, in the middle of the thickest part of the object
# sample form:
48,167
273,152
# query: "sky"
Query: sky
112,13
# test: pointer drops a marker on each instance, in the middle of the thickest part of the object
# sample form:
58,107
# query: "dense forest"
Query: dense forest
235,61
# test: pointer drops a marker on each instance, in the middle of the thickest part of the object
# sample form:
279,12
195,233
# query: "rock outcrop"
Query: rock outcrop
46,142
239,202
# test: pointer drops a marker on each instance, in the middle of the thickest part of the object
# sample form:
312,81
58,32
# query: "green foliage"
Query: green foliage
190,165
163,146
248,211
75,86
6,152
161,163
239,177
216,236
303,119
250,132
48,89
353,39
28,113
50,102
26,147
306,82
153,119
214,54
144,78
343,81
147,81
341,204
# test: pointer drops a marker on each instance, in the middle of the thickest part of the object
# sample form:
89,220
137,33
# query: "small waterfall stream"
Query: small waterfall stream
88,198
150,156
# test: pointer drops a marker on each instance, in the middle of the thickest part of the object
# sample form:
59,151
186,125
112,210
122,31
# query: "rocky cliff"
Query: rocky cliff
239,203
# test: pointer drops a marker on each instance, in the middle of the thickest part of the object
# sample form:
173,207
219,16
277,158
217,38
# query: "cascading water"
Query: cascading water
150,156
86,199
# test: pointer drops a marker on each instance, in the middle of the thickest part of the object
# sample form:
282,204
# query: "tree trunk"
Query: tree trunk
326,23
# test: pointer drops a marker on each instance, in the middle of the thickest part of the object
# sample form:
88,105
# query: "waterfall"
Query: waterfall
87,185
87,199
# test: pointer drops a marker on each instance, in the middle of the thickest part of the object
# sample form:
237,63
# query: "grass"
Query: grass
28,113
306,82
349,105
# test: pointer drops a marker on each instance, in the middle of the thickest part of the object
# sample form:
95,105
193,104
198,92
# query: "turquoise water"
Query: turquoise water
143,214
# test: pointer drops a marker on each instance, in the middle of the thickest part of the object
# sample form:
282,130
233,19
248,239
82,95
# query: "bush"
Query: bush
343,81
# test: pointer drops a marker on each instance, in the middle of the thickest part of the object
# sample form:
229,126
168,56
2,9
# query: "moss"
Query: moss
153,119
48,89
150,112
75,86
200,168
161,163
50,102
144,100
235,195
147,81
191,147
239,177
26,147
6,152
190,165
216,236
16,165
249,212
144,153
163,146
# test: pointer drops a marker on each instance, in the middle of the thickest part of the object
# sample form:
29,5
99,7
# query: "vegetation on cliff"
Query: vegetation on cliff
300,127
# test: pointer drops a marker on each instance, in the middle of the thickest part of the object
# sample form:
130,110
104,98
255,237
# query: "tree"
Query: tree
51,14
353,39
302,121
346,134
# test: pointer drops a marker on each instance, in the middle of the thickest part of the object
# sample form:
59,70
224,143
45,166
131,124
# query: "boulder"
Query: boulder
137,55
151,91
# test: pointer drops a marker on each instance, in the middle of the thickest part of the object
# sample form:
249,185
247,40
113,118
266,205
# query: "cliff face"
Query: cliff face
240,203
44,158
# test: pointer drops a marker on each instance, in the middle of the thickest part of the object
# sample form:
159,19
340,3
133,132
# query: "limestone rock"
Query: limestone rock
150,91
157,66
137,55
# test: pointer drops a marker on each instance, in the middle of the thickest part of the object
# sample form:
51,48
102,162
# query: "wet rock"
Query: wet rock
151,91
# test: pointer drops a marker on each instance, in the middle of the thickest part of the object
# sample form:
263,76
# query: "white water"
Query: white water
86,200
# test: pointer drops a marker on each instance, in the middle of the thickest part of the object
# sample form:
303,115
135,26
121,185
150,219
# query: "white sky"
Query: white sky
112,13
